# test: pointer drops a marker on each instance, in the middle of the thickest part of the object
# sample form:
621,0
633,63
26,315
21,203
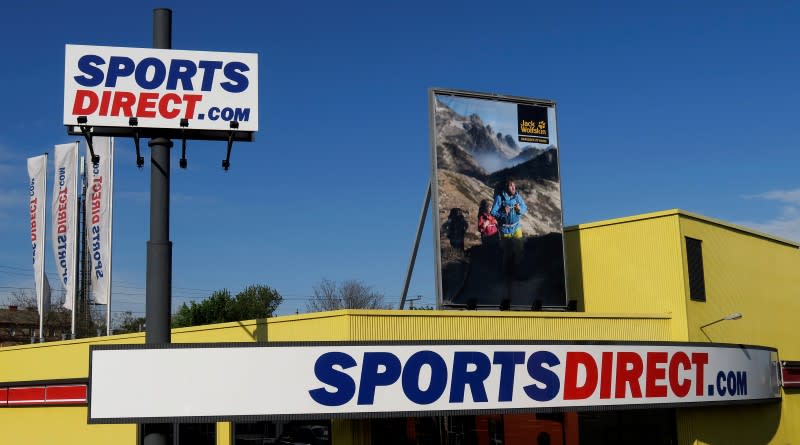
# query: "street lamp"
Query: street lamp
731,316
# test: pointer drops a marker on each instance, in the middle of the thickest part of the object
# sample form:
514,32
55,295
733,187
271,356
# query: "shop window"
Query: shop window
305,432
182,433
694,261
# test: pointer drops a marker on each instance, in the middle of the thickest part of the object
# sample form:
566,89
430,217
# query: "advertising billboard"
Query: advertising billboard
160,88
497,195
340,380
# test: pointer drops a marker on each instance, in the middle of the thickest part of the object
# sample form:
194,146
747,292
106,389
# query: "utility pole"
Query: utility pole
159,248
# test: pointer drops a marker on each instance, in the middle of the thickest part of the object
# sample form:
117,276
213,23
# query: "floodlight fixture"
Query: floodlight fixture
184,124
133,121
86,130
226,163
731,316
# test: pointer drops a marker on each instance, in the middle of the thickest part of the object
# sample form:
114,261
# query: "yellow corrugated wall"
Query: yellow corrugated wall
745,273
758,276
627,266
500,325
59,425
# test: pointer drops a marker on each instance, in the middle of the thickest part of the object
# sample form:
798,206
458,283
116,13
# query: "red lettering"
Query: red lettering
147,105
62,211
679,388
85,103
191,100
628,375
571,389
123,101
163,106
699,359
606,374
33,219
655,374
104,101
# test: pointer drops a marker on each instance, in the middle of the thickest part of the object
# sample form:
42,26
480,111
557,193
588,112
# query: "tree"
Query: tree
351,294
22,299
255,301
126,323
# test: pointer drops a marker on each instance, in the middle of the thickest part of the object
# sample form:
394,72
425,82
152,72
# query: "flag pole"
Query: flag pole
110,234
77,244
40,292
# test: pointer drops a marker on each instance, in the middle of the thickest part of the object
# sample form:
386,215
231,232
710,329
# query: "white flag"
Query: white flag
37,174
99,190
65,221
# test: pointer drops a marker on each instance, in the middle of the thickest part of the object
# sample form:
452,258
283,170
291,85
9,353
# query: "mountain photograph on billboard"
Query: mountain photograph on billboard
497,195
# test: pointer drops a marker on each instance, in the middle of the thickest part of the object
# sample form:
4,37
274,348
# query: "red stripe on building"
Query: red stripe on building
26,395
3,396
791,375
65,394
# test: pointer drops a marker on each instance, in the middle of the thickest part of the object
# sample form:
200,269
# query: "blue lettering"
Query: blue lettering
543,375
208,67
241,114
93,76
227,114
159,73
731,377
462,377
741,380
371,377
213,113
238,81
118,67
411,373
507,362
720,387
183,70
344,384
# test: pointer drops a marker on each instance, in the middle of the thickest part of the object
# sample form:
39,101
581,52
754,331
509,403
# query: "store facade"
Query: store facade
635,281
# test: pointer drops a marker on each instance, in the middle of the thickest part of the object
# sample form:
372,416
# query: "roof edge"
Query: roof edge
685,214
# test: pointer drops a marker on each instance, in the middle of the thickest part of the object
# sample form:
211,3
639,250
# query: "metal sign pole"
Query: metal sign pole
413,259
159,248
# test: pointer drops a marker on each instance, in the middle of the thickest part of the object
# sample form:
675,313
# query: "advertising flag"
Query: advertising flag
99,188
37,174
65,221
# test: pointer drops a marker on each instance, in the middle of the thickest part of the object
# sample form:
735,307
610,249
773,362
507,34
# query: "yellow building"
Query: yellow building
667,277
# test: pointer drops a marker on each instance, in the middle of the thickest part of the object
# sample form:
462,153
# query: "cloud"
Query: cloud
787,223
786,196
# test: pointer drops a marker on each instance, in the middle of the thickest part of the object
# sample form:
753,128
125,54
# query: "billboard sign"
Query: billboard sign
160,87
497,195
218,381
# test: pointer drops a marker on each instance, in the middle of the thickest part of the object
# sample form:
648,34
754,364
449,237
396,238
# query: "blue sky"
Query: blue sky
661,105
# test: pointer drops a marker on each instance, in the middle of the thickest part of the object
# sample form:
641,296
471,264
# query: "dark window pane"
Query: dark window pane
694,261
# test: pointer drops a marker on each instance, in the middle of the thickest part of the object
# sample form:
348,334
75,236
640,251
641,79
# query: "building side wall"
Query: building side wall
760,278
774,423
744,273
59,425
629,266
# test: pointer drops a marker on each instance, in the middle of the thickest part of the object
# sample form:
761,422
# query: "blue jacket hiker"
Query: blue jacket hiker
508,208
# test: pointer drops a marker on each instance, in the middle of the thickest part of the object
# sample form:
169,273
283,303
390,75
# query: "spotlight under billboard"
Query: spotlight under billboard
497,194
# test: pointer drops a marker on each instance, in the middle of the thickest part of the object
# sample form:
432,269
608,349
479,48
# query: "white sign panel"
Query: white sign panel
353,380
109,85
